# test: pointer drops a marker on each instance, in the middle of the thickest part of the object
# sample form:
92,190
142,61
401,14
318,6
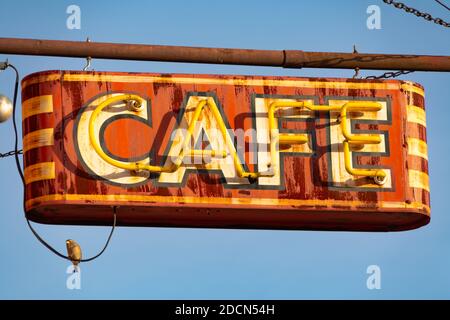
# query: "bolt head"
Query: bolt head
380,180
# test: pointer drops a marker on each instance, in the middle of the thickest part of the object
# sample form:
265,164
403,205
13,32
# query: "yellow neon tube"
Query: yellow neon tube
96,145
277,138
359,172
136,166
288,138
358,106
359,139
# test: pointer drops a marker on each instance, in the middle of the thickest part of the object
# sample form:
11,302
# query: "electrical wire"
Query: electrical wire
443,4
19,169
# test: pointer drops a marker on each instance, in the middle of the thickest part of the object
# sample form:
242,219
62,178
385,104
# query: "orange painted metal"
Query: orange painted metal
67,183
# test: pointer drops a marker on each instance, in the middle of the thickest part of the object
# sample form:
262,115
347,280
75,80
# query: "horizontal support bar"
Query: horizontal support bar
271,58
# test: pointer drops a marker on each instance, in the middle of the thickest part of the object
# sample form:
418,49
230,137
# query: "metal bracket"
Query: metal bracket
88,59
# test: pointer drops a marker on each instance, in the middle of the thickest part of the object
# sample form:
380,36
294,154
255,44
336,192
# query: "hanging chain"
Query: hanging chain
426,16
10,153
390,74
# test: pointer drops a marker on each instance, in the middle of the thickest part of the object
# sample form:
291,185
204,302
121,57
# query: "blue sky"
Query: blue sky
165,263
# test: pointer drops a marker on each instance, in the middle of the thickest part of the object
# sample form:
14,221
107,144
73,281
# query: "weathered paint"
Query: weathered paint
67,183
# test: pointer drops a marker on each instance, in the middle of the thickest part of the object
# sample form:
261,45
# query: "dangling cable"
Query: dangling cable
19,169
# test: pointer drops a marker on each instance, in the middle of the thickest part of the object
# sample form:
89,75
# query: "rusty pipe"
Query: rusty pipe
272,58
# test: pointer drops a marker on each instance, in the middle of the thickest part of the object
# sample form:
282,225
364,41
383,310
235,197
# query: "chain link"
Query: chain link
390,74
10,153
424,15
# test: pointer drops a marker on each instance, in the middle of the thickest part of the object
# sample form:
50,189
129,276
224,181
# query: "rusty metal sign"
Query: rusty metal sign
225,151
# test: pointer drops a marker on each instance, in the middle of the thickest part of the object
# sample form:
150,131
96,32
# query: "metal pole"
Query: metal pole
272,58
